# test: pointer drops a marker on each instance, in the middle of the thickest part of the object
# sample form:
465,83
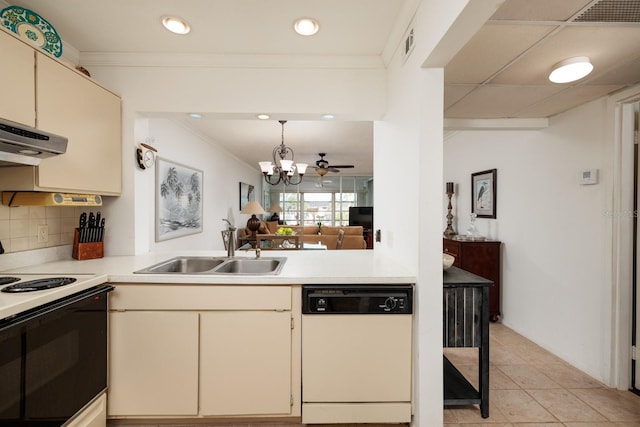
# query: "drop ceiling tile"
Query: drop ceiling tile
565,100
539,10
623,73
490,49
453,93
605,45
494,101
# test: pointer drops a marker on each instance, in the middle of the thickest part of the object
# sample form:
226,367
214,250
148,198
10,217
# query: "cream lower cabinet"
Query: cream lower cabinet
153,363
245,363
189,351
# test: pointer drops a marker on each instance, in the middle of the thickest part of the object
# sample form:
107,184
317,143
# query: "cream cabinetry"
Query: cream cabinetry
60,100
245,363
153,363
18,74
95,415
204,351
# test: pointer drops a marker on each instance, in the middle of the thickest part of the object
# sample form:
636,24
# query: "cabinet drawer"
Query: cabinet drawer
200,297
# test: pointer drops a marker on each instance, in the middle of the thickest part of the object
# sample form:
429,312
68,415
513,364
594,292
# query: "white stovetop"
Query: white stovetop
14,303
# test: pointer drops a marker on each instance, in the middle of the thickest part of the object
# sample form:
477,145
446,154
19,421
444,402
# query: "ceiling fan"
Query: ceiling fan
322,166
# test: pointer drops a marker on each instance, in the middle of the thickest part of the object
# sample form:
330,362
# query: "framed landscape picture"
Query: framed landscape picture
483,193
178,200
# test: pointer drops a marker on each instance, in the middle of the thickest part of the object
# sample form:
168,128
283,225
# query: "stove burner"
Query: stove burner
39,284
7,280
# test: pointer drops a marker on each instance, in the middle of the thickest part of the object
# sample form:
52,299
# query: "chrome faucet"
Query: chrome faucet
229,234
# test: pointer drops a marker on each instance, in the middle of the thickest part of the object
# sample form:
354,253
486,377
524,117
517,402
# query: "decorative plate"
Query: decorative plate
33,28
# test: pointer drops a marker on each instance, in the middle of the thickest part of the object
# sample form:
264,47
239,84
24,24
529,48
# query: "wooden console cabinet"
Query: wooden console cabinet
481,258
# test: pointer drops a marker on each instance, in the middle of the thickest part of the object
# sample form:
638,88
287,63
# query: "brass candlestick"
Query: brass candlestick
449,231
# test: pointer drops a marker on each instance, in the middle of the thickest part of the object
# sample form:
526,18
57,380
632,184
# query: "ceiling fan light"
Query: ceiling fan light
176,25
571,69
306,26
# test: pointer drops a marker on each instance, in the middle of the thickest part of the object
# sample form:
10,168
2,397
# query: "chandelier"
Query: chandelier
282,169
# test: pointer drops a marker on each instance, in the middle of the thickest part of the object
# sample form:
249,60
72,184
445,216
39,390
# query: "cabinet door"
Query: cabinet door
71,105
153,363
245,363
18,100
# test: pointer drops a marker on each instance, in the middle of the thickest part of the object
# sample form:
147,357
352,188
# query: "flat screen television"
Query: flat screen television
361,215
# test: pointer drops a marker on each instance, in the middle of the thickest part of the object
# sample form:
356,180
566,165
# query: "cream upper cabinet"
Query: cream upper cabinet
71,105
17,73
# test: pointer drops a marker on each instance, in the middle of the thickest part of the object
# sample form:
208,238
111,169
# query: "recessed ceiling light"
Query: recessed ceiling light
263,116
306,26
176,25
328,117
195,115
571,69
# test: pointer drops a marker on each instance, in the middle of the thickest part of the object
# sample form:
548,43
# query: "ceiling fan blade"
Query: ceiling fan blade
342,166
332,169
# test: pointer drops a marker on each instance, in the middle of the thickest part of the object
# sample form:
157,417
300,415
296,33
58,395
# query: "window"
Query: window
310,203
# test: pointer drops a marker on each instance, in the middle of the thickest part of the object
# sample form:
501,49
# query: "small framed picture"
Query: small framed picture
246,194
483,193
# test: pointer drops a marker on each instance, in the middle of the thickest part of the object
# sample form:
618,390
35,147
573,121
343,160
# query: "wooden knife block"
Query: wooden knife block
90,250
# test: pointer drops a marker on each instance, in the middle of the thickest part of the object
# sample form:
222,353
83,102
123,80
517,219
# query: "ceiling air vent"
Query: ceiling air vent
407,46
612,11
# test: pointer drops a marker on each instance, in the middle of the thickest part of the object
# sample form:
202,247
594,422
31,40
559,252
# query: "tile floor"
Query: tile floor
531,387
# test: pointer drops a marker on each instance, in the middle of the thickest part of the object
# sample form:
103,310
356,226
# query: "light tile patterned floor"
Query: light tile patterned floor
531,387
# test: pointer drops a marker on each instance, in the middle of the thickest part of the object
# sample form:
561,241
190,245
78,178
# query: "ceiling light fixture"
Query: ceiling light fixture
571,69
328,117
306,26
176,25
195,115
282,169
263,116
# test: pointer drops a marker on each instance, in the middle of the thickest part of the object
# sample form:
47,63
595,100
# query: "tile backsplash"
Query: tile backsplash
19,226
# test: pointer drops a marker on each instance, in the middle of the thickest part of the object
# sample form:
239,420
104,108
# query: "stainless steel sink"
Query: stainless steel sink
216,265
183,265
251,266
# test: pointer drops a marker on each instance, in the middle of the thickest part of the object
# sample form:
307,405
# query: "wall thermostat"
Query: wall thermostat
588,177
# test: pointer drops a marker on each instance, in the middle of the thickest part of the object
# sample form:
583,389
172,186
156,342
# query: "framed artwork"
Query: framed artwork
178,200
246,194
483,193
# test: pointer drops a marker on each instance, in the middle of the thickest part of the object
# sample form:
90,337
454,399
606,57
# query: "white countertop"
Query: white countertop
301,267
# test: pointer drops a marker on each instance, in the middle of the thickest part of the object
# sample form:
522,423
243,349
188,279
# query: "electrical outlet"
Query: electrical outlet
43,233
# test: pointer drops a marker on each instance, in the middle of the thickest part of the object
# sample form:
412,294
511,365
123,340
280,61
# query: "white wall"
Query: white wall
408,183
555,289
219,88
221,176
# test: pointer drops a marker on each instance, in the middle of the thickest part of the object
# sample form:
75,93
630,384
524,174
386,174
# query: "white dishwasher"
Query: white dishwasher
357,353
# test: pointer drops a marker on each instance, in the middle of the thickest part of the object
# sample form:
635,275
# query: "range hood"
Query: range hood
24,145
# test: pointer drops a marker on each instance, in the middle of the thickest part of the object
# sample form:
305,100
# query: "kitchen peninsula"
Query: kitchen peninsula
174,348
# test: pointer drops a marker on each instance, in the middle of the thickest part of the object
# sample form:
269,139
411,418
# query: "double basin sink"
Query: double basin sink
216,265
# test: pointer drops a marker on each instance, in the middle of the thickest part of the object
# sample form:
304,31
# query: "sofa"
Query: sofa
353,235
